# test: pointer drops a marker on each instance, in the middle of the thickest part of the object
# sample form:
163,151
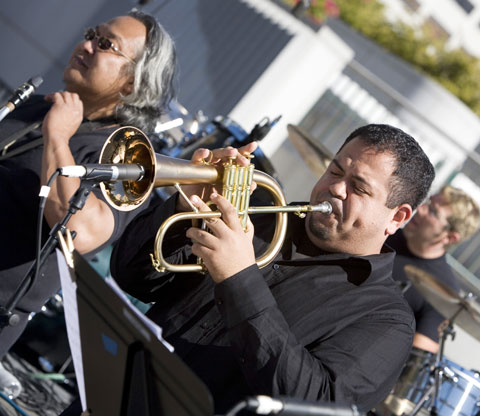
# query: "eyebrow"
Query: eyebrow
108,33
356,177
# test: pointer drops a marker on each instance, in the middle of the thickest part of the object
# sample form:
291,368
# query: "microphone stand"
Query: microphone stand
77,202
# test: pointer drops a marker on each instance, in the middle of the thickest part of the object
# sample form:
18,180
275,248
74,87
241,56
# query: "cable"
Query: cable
235,409
13,404
38,395
44,191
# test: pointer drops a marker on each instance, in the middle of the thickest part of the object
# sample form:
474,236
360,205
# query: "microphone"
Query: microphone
260,130
20,95
104,172
264,405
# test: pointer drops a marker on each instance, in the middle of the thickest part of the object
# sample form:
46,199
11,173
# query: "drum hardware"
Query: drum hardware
461,310
464,309
437,371
316,156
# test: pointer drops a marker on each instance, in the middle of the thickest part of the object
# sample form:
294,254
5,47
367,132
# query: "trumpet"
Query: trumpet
129,145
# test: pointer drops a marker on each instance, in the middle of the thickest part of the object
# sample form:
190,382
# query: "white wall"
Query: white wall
295,79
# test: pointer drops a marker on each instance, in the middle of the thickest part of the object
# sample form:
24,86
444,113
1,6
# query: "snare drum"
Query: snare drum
411,385
459,393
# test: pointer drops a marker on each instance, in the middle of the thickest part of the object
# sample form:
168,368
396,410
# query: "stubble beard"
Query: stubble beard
317,229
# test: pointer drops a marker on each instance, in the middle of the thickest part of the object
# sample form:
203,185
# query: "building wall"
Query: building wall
458,20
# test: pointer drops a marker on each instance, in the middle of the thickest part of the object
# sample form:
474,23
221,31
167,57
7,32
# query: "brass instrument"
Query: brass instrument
130,145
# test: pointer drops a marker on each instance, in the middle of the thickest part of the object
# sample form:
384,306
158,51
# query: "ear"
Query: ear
401,215
127,87
453,237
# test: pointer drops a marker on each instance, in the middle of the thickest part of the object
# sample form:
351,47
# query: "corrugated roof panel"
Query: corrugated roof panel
223,48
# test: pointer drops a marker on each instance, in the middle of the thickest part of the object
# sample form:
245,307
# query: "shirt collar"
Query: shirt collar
296,250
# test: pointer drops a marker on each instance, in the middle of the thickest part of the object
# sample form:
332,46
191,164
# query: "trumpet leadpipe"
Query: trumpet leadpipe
323,207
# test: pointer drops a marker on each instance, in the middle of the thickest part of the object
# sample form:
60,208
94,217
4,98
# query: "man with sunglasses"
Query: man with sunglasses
447,218
121,73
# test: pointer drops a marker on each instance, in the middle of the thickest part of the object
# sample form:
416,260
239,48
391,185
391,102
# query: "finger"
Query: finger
199,203
250,228
229,213
202,237
201,251
216,225
248,148
68,97
200,155
54,97
243,158
224,153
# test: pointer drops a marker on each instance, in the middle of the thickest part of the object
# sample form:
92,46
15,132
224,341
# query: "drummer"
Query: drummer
446,219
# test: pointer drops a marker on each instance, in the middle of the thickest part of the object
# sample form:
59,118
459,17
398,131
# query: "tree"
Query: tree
422,47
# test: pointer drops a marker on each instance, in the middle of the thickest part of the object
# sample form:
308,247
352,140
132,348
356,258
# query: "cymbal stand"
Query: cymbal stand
436,372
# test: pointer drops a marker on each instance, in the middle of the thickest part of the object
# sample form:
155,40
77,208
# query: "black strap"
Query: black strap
8,141
21,149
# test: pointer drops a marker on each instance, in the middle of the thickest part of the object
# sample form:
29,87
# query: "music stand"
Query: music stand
127,370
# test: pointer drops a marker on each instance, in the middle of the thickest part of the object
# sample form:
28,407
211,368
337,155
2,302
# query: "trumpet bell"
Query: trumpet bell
128,145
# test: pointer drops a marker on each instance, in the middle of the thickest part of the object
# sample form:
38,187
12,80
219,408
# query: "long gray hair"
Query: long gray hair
154,73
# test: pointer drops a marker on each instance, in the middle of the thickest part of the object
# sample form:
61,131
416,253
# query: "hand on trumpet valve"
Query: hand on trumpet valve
215,157
227,249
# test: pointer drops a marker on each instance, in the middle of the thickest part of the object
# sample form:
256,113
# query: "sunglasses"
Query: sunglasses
104,43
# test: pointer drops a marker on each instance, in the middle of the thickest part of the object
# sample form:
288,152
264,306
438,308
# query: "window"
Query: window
465,5
412,4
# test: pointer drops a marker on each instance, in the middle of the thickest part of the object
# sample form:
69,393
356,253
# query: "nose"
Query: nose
89,46
422,209
338,189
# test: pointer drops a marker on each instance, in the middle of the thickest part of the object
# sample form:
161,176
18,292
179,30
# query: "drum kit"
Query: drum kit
430,384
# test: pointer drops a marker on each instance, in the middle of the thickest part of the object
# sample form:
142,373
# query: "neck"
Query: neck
424,249
95,111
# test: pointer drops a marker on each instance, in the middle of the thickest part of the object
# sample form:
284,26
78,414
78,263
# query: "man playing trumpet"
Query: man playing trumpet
324,321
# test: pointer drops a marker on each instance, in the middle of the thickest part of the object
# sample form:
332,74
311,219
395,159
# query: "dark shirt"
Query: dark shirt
19,189
316,326
426,317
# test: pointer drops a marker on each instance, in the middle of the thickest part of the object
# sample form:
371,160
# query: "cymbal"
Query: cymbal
464,311
316,156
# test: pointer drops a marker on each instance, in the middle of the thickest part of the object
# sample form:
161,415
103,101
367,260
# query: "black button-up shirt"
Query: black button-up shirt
312,325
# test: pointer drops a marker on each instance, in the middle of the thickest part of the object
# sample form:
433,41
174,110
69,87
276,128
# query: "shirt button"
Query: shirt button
276,266
242,360
219,301
204,325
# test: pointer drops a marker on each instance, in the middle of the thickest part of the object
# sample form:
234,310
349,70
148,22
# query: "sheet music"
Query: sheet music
148,322
69,293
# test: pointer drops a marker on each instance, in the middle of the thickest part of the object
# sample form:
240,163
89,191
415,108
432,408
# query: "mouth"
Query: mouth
79,61
336,212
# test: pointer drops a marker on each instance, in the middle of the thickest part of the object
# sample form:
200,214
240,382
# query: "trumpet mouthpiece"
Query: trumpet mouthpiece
324,207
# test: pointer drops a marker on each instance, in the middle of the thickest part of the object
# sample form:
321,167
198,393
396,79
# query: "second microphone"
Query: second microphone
104,172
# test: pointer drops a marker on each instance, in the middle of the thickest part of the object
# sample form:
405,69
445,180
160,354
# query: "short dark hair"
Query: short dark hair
413,174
